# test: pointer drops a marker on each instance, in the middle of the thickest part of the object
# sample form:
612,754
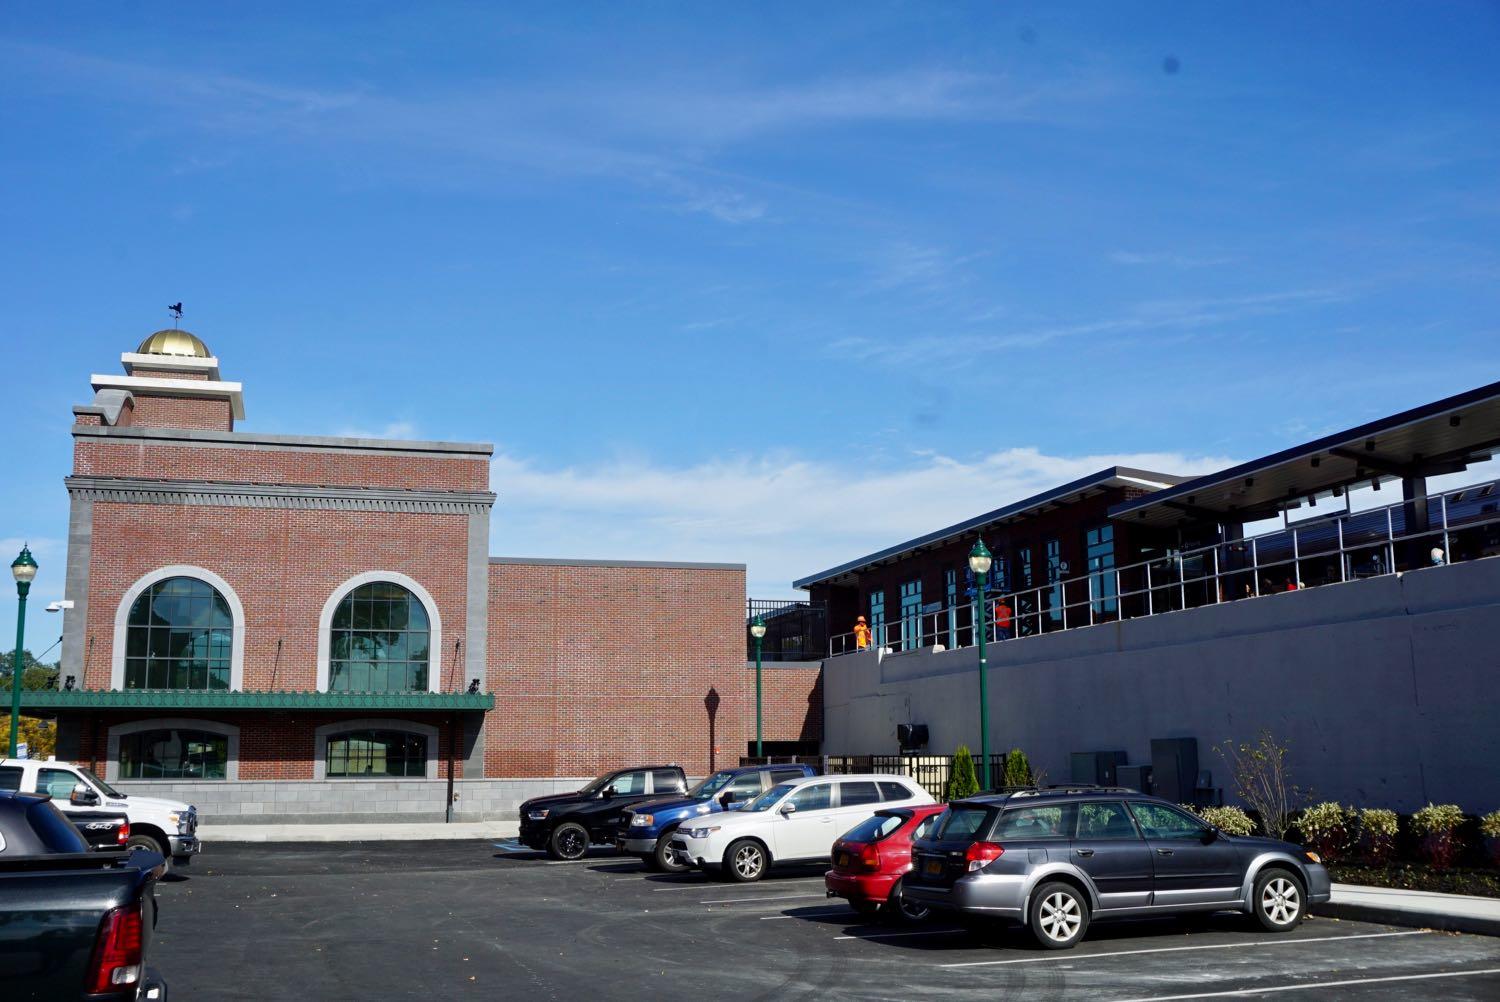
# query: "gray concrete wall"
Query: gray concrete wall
1386,690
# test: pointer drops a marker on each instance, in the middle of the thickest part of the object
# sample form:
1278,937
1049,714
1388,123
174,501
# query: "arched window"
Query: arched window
377,754
174,753
380,641
179,635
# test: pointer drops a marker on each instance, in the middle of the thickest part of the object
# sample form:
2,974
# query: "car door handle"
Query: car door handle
1164,852
1085,853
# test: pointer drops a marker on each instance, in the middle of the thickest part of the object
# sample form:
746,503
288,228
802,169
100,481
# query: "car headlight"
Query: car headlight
703,832
176,818
641,821
540,815
1313,857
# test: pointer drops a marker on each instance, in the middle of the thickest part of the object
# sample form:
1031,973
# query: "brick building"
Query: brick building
314,626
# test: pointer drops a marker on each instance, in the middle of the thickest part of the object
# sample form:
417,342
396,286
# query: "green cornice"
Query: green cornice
198,699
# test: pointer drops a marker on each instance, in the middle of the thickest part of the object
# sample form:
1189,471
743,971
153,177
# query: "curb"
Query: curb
1411,918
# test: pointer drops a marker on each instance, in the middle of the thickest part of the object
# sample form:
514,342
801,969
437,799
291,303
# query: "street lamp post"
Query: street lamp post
24,569
980,560
758,631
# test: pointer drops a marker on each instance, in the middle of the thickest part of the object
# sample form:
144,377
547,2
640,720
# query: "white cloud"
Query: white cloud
395,429
784,516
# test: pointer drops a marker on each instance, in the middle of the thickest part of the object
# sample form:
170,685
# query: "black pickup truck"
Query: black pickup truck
565,824
77,924
102,830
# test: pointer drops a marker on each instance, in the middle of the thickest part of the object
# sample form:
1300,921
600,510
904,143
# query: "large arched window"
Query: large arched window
380,641
179,635
174,753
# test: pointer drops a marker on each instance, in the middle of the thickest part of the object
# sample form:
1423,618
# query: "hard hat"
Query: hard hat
861,619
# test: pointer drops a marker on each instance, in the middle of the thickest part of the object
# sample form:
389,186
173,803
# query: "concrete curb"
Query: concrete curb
357,832
1414,909
1409,918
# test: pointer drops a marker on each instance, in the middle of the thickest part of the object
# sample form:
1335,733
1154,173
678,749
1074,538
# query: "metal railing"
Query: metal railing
931,772
796,630
1463,524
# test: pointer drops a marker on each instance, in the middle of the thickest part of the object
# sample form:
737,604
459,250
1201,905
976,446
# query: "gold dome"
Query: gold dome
173,341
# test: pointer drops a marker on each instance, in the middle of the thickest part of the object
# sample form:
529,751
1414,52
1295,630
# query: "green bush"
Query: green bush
1231,820
962,782
1377,834
1489,825
1328,829
1437,824
1017,769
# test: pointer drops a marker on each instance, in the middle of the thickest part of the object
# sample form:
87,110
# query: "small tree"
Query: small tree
1263,780
962,782
1489,829
1017,769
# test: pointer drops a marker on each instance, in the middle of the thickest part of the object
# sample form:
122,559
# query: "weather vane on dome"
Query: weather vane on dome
176,310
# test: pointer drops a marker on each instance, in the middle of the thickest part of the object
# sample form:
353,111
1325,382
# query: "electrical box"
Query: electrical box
1174,768
1097,767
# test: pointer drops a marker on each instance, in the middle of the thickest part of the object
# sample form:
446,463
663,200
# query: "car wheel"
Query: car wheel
745,861
568,841
662,859
899,908
1280,903
149,844
1059,916
865,909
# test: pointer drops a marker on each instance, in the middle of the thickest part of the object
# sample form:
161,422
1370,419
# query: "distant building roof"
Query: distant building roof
1114,476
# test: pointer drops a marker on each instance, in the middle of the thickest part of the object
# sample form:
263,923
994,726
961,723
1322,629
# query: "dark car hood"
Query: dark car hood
554,800
672,804
1259,843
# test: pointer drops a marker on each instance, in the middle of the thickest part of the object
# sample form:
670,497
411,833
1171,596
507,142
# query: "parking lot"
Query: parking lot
445,919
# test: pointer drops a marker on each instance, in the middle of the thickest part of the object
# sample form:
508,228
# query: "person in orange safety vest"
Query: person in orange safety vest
861,633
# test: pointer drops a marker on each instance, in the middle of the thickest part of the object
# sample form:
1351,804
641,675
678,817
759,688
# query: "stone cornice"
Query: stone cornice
320,443
136,490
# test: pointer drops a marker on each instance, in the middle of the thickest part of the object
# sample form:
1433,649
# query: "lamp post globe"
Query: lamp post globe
23,569
758,631
980,561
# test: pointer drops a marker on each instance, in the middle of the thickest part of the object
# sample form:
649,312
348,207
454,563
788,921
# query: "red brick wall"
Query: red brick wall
181,412
283,564
137,458
595,666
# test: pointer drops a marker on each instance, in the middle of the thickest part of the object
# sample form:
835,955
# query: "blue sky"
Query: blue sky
778,284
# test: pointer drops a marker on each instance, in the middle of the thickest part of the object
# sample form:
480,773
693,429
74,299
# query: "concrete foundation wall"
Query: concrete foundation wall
1384,690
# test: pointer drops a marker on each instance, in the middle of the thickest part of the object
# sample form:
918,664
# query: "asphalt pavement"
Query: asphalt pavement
463,918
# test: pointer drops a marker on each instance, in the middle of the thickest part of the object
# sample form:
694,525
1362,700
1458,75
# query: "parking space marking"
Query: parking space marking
1181,949
699,885
1242,992
894,935
762,897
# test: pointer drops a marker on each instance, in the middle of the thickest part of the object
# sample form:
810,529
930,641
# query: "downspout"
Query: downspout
452,754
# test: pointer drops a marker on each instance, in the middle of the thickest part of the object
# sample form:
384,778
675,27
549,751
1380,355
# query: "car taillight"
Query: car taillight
124,834
982,854
117,951
869,857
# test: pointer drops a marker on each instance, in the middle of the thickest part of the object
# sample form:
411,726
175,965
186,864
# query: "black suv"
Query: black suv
1055,858
565,824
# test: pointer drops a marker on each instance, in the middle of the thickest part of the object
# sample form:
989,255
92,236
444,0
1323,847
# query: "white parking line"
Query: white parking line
1182,949
1318,984
761,897
894,935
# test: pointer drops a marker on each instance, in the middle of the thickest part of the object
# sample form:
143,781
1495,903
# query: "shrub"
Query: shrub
1328,830
962,782
1377,834
1017,769
1436,825
1228,819
1263,780
1489,827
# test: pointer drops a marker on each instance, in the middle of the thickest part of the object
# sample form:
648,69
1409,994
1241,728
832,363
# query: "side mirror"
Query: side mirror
787,810
1210,835
82,796
607,792
726,799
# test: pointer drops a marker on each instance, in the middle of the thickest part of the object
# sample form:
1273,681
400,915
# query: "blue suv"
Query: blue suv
646,826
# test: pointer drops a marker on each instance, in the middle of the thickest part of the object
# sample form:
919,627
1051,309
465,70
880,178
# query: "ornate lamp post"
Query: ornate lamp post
758,631
980,560
24,569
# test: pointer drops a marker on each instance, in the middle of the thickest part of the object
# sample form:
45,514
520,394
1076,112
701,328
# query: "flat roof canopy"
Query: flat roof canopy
1441,437
1115,476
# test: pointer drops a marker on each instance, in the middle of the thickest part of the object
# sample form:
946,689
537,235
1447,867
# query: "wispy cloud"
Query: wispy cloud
395,429
784,515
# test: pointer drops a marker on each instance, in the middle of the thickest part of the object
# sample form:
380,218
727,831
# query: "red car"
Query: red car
870,860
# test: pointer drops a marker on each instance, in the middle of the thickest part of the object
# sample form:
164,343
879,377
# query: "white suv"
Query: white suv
169,827
793,822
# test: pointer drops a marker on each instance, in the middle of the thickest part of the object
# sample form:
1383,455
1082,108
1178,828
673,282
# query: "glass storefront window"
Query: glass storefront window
174,753
377,754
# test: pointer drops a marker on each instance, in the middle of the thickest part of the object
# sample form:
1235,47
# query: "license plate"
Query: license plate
933,867
842,859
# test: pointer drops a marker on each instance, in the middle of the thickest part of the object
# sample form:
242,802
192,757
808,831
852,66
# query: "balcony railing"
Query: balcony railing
796,630
1463,525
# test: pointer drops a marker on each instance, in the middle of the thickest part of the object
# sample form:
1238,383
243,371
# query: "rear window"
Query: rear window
55,830
962,822
782,775
10,777
874,829
894,791
666,781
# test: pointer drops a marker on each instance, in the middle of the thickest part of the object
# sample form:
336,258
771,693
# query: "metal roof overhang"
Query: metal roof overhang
1115,476
1441,437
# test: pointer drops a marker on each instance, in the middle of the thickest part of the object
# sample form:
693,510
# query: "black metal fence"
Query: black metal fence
795,631
932,772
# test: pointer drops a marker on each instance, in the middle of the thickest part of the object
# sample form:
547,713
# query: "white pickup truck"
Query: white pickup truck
169,827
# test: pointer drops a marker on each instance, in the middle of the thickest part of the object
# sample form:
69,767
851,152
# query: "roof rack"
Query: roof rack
1036,791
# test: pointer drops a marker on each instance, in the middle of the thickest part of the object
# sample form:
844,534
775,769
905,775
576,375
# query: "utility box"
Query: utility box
1097,767
1174,768
1135,777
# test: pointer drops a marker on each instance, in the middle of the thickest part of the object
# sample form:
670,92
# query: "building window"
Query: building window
377,754
911,615
1026,622
1099,545
174,753
380,641
951,579
1054,575
178,636
877,618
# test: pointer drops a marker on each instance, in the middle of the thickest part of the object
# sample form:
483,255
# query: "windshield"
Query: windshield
597,784
711,785
109,791
768,800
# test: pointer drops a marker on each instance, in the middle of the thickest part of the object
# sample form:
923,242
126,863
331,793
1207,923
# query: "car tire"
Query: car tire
569,840
1279,900
661,860
1059,915
899,910
745,861
865,909
149,843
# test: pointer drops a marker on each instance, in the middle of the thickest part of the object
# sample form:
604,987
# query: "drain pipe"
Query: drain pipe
452,754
